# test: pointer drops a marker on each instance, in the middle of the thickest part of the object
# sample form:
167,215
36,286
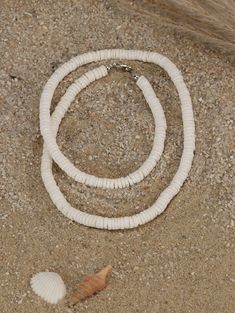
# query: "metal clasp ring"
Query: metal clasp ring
123,67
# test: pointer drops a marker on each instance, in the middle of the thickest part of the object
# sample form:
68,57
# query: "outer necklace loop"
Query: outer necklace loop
49,127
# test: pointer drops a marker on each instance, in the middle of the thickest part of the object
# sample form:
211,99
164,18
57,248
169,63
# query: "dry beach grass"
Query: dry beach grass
209,21
181,262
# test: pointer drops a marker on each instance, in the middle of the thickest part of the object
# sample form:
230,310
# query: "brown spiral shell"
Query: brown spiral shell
90,285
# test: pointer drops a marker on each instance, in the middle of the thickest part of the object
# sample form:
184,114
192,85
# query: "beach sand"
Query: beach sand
181,262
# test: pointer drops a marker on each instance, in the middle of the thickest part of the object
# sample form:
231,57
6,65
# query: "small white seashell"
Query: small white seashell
49,286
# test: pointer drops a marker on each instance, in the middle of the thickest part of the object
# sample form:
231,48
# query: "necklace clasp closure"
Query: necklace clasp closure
123,67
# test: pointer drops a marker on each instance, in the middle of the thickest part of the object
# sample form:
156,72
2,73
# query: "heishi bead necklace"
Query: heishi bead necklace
49,125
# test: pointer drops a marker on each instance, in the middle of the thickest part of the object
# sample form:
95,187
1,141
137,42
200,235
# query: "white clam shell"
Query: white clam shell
49,286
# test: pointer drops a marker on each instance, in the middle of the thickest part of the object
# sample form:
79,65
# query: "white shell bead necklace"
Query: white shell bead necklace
49,127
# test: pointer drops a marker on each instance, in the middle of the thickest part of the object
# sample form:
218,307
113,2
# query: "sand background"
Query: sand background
181,262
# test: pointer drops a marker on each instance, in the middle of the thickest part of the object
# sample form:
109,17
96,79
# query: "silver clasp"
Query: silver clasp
123,67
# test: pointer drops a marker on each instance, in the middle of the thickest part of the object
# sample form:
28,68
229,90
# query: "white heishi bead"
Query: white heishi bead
49,286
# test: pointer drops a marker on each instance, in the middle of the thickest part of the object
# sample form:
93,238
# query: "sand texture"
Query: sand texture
183,261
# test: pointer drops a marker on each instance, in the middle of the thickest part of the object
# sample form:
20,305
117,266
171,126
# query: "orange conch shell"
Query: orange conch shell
90,285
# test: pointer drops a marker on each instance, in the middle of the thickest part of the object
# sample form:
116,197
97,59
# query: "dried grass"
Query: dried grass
209,21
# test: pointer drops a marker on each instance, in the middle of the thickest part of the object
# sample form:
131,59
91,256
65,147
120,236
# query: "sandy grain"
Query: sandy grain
181,262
